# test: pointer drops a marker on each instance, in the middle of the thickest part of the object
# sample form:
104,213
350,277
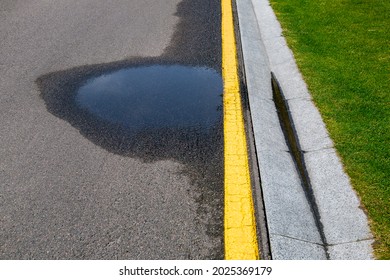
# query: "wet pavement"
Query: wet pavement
118,157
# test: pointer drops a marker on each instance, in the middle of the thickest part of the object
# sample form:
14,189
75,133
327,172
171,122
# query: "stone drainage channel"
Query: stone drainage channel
306,207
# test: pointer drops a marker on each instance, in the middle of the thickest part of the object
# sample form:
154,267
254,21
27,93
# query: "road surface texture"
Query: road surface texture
82,180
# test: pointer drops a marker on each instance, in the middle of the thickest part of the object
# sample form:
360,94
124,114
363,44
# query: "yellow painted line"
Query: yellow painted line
239,224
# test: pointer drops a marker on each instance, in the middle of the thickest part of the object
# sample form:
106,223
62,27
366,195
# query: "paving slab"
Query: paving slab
268,133
288,212
284,248
339,206
309,125
361,250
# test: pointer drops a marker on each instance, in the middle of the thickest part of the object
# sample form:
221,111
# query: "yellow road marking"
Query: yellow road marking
239,224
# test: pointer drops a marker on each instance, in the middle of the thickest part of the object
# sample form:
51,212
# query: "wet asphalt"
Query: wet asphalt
111,130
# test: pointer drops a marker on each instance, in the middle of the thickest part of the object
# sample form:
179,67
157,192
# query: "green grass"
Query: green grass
342,49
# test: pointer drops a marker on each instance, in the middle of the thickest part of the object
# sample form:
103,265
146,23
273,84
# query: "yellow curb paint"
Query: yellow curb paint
239,224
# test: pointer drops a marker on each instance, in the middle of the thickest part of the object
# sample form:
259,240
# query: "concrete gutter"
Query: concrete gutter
322,220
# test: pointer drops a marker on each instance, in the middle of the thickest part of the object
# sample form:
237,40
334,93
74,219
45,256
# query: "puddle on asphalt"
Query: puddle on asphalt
154,97
148,111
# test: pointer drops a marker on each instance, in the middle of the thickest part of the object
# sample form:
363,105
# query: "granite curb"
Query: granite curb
340,229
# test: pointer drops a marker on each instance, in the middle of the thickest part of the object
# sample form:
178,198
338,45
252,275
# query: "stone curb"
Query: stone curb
292,229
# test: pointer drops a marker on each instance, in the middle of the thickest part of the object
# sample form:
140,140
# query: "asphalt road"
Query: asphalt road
76,183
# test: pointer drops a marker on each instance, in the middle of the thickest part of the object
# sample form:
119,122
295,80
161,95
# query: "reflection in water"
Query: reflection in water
155,97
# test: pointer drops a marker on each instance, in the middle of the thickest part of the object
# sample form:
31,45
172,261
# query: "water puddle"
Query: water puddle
154,97
144,110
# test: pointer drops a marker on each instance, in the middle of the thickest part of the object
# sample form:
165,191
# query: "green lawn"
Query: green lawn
342,49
